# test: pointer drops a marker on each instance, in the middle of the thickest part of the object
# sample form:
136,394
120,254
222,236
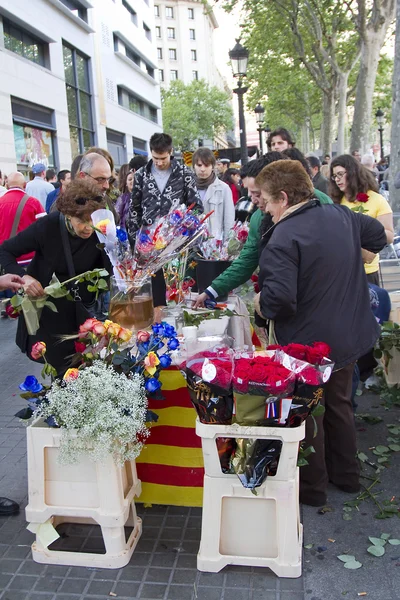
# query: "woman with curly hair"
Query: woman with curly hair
63,241
125,178
354,186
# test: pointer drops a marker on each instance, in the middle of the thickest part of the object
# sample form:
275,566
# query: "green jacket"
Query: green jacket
246,263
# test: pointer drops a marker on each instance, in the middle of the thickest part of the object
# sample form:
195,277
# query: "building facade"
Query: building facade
185,46
76,74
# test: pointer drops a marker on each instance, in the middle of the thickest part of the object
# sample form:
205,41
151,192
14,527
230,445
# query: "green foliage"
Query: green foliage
349,561
193,111
194,319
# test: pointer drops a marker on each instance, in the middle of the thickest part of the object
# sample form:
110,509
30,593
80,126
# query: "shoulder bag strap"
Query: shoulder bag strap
66,246
18,214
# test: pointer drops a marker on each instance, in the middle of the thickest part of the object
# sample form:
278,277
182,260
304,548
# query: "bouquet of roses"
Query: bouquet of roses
214,248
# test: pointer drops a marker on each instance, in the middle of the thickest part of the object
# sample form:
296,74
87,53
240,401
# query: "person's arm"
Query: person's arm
191,195
372,232
228,212
135,211
11,282
279,274
387,222
241,269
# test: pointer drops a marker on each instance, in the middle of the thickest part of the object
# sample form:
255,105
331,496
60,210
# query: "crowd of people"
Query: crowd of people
315,233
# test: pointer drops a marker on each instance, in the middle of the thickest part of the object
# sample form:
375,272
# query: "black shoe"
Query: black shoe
313,499
8,507
349,489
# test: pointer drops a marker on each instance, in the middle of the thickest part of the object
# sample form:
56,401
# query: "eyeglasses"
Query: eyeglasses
338,175
100,180
82,201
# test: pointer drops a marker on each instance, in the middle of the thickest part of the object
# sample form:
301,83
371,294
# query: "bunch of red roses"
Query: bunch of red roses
311,364
213,366
262,375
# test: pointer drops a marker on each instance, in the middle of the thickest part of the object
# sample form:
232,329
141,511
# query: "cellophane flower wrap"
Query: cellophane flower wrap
209,381
216,248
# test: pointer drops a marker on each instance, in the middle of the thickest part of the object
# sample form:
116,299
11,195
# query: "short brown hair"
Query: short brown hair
286,176
205,156
81,198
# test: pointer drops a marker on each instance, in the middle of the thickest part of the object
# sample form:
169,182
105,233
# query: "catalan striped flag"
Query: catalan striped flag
171,464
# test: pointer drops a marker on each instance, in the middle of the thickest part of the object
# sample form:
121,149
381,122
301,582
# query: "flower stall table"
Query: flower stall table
170,465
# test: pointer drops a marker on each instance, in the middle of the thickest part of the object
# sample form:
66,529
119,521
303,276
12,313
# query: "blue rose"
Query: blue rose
165,361
173,344
158,329
152,384
169,330
122,235
143,347
31,384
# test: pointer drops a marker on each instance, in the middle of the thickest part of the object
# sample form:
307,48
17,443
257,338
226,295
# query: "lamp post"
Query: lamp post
260,110
380,117
239,57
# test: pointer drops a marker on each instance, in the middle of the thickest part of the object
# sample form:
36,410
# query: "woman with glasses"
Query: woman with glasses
64,244
352,185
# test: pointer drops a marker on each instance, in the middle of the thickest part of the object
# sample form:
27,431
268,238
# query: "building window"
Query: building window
132,56
156,10
116,146
147,31
33,134
137,105
169,12
76,8
79,100
173,75
120,46
171,33
191,13
23,43
195,75
161,74
193,54
139,146
130,11
159,53
158,32
192,34
172,53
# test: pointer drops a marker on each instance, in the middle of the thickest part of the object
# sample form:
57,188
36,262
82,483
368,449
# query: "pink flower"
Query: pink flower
99,328
142,336
87,325
150,362
124,335
38,350
71,374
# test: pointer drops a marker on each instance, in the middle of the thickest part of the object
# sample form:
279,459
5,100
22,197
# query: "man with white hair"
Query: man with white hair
96,168
369,163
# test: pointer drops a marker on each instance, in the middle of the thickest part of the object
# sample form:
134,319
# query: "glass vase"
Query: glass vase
131,306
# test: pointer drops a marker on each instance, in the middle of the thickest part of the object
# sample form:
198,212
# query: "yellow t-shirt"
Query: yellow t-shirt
375,207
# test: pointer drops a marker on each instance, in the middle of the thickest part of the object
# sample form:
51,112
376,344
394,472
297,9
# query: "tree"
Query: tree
395,137
371,19
193,111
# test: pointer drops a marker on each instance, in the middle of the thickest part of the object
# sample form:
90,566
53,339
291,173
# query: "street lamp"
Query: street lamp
260,110
239,57
380,117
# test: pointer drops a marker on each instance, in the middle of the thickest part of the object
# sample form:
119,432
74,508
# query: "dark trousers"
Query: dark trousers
335,443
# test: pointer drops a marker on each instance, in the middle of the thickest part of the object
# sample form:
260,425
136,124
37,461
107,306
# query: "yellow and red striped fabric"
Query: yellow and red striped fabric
171,464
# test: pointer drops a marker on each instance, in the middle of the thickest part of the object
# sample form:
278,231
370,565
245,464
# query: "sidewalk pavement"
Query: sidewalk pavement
163,566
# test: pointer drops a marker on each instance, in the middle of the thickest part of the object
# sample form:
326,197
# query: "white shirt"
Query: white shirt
39,188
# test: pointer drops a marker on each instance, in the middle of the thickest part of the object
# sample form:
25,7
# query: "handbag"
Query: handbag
83,311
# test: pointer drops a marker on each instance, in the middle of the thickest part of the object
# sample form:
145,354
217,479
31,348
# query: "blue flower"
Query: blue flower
144,238
31,384
143,347
152,384
165,361
173,344
158,329
169,330
121,234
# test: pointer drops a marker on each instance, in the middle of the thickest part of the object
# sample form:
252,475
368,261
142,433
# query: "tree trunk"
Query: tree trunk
342,91
328,111
370,52
395,137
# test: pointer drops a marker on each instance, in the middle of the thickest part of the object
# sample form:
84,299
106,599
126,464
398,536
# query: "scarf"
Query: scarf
203,184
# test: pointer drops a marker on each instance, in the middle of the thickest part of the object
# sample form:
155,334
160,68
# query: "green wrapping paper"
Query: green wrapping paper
250,410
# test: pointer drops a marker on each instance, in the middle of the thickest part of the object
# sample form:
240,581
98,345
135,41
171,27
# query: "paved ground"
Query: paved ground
164,563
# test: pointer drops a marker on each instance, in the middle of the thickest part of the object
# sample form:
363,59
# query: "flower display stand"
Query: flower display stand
87,492
391,369
240,528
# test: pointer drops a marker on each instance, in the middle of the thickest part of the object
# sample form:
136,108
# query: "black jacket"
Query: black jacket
44,237
148,203
321,183
313,282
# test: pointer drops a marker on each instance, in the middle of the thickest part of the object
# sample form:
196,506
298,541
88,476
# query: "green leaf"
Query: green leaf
377,541
302,462
394,542
363,457
385,536
308,546
16,300
394,447
318,411
103,273
102,284
51,306
92,288
346,558
354,564
383,459
347,517
382,449
376,550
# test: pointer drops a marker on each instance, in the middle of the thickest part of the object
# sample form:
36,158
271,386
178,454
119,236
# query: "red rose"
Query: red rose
11,312
242,235
310,376
298,351
323,348
80,347
361,197
258,374
274,347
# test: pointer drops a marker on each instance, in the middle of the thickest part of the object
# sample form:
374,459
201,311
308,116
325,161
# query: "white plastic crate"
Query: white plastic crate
290,438
118,549
239,528
100,491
